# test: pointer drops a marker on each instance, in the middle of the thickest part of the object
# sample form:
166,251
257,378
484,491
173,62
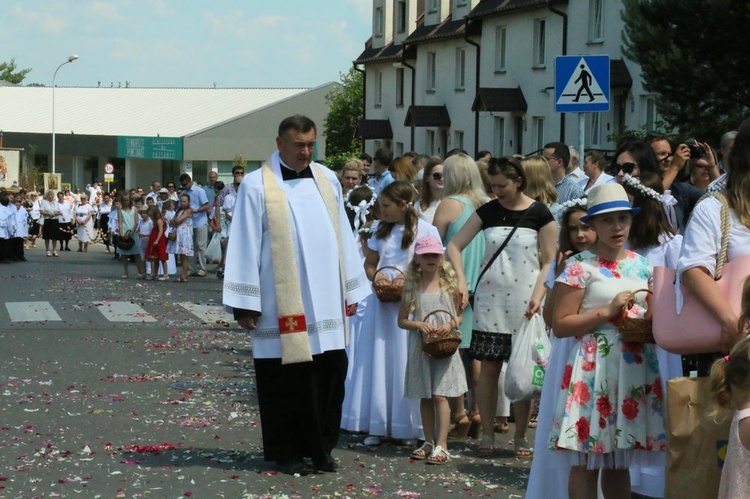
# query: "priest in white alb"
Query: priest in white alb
292,277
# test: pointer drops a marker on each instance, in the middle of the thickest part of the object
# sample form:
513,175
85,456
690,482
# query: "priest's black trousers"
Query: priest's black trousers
300,406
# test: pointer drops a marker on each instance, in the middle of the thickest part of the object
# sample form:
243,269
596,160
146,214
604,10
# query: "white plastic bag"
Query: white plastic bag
213,250
528,361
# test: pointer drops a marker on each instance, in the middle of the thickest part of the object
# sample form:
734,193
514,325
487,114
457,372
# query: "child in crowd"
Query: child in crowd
730,387
547,466
610,409
374,399
144,233
156,249
431,285
181,244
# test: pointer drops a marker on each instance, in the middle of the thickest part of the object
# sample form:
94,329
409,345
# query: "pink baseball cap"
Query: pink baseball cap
428,246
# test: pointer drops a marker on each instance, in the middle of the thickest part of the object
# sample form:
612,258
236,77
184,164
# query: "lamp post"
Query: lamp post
71,58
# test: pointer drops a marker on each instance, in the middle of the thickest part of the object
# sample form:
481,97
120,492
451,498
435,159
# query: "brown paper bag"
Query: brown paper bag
696,440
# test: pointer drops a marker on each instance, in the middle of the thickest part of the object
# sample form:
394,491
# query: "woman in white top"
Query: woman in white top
103,212
594,164
34,207
65,219
84,215
432,190
702,242
51,227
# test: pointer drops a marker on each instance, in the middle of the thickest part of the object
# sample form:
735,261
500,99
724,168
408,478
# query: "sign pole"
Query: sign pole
581,138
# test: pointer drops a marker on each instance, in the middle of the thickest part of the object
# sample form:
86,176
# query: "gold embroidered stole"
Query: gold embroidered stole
295,343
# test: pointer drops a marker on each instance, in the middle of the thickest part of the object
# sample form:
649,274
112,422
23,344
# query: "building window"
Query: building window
540,28
432,6
401,16
537,130
399,87
399,149
595,130
596,20
430,142
379,89
378,22
652,115
500,34
458,139
499,137
377,144
431,69
460,68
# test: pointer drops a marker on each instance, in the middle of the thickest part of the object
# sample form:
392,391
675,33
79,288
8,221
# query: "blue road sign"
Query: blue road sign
581,83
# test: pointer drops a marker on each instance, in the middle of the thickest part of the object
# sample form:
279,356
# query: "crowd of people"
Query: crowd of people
163,231
540,235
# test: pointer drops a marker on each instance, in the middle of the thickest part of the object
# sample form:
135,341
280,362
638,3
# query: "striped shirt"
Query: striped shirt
568,189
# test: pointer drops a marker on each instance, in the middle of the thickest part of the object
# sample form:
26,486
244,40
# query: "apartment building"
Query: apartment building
480,74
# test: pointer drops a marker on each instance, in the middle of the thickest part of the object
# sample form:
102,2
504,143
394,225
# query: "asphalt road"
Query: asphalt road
130,388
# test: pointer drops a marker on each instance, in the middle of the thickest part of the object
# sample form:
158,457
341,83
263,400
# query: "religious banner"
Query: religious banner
10,161
52,181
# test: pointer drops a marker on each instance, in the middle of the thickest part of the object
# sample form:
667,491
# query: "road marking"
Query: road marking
123,311
31,311
209,314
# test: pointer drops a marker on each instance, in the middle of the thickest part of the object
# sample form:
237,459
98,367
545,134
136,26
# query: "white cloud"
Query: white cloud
53,25
22,13
105,10
364,7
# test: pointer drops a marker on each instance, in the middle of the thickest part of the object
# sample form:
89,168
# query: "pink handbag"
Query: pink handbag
695,329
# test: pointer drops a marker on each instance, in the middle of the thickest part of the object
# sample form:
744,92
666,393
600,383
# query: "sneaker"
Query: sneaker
372,441
200,273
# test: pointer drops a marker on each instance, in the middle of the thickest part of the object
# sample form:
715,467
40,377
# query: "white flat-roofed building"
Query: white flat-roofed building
153,133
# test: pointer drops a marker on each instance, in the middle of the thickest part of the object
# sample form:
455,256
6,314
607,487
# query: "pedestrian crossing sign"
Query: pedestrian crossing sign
581,83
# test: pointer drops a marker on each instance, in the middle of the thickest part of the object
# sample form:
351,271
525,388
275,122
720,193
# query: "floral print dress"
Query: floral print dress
611,401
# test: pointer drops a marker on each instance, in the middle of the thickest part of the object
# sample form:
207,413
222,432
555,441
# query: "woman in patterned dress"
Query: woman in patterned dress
611,405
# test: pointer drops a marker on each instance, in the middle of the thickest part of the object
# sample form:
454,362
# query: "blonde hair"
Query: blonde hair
462,177
733,372
413,281
403,169
539,184
483,166
354,165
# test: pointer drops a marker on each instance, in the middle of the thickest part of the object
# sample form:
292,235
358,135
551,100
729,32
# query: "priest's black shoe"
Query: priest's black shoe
294,468
329,465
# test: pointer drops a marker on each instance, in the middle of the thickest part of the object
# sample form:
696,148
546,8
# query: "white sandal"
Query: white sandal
438,456
423,452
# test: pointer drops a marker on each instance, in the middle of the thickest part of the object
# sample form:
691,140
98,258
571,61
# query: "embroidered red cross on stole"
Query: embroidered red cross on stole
292,324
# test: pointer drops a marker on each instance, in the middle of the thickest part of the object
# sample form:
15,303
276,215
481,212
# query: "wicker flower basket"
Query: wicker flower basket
636,330
389,290
440,346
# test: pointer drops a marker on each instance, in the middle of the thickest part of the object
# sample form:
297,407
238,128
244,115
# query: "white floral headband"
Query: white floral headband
361,210
644,190
574,203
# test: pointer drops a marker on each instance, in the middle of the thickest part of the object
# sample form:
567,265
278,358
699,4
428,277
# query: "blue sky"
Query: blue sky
185,43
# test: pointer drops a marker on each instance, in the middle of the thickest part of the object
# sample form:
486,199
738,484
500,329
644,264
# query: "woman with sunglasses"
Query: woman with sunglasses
432,190
523,233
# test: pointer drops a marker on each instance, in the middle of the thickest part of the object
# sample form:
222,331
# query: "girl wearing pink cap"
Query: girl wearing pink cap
431,285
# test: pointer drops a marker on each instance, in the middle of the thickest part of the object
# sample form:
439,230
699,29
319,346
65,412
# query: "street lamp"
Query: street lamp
71,58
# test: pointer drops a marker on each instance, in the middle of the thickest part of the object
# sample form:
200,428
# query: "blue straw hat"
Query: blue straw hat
607,198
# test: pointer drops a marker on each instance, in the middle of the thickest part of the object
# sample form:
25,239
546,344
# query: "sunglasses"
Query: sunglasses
437,176
626,168
238,173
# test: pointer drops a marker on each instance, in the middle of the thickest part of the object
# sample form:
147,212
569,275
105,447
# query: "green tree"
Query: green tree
344,111
693,53
9,72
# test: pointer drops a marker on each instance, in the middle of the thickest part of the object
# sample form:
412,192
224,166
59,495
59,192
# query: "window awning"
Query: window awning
436,116
500,100
373,129
619,76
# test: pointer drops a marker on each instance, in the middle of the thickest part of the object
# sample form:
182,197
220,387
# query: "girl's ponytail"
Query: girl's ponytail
411,219
721,390
731,372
